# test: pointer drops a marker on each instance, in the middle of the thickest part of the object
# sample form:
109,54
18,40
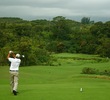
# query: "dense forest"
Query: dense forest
38,39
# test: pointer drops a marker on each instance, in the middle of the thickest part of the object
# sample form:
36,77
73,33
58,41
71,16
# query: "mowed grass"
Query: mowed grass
58,82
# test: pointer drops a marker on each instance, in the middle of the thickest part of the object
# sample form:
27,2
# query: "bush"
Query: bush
105,72
87,70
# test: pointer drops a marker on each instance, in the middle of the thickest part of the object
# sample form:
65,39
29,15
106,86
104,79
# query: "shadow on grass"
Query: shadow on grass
25,91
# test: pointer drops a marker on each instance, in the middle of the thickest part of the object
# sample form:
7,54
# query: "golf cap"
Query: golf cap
18,55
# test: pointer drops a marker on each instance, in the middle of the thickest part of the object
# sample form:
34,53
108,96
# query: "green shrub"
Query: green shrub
87,70
105,72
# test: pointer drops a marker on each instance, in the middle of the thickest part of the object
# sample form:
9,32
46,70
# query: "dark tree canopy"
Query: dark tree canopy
37,39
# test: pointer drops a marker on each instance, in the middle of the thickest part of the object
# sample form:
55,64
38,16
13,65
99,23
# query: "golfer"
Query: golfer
14,70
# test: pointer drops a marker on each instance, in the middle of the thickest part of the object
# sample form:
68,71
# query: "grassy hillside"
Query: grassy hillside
61,82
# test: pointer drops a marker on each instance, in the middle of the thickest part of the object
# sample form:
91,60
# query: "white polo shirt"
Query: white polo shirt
15,63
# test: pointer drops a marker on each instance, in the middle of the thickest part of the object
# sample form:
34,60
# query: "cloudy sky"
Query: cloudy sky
46,9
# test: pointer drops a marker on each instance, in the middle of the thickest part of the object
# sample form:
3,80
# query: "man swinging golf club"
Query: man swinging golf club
14,70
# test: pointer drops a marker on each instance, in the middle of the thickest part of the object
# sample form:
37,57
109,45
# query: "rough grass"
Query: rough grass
58,82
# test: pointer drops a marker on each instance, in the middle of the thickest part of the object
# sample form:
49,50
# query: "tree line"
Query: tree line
37,39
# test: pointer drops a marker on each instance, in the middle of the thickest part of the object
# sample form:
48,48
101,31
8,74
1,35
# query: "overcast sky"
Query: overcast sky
47,9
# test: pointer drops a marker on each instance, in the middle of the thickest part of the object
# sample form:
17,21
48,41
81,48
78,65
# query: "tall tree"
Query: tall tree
85,20
61,29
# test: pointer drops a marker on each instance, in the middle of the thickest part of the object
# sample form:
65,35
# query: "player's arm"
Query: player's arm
14,56
11,52
8,56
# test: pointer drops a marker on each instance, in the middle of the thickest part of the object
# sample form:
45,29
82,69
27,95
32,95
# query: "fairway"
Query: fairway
60,82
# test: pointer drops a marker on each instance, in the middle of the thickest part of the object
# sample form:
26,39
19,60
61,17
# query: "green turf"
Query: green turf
58,82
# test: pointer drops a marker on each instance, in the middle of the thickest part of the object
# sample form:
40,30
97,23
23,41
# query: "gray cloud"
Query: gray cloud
28,9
